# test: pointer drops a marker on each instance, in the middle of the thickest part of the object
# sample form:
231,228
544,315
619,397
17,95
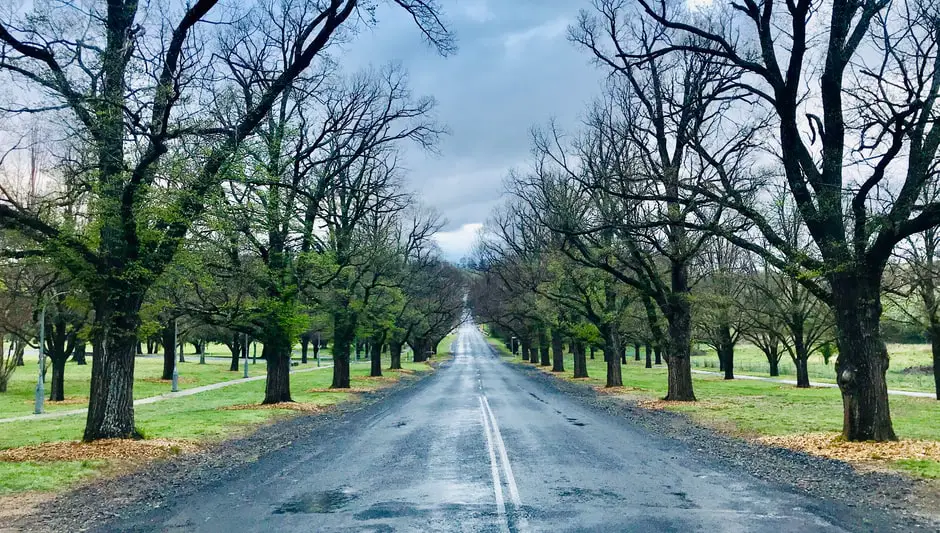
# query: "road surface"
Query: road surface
481,447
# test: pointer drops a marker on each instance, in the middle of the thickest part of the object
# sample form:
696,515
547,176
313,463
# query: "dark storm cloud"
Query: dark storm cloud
514,69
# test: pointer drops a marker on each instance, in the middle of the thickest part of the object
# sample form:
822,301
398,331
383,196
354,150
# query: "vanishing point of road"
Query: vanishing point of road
481,447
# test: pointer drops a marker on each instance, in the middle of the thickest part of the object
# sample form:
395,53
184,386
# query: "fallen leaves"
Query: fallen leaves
832,446
290,406
350,390
109,449
69,400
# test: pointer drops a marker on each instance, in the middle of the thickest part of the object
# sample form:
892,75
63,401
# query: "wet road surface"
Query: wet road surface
480,447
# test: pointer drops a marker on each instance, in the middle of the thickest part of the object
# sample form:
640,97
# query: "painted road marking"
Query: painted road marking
494,470
521,523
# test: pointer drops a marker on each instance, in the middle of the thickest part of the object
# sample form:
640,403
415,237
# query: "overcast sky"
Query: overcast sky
514,69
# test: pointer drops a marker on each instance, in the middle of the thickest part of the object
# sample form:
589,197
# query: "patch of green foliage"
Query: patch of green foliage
924,468
44,477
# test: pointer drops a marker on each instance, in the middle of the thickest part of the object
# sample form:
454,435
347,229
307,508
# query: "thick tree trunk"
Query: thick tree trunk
935,349
592,352
111,398
534,354
169,352
636,351
57,394
545,354
316,351
140,349
649,359
611,354
525,349
394,349
623,355
344,329
79,355
774,363
658,352
235,348
376,357
862,361
304,345
558,353
277,383
580,362
802,372
679,355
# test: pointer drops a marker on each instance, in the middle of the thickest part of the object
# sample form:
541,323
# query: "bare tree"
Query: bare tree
857,134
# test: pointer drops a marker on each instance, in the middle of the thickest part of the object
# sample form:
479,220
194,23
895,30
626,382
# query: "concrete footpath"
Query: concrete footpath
155,399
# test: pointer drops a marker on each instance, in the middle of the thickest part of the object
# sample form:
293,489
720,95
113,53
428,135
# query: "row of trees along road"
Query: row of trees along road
216,164
749,171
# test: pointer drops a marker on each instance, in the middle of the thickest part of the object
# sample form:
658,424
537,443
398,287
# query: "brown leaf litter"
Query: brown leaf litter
290,406
120,449
69,400
349,390
832,445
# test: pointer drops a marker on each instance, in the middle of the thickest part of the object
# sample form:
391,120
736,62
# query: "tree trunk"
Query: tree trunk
276,352
57,394
636,351
774,362
111,398
79,355
592,352
649,359
376,357
612,355
580,363
316,351
525,349
140,349
935,349
344,329
679,354
802,372
658,352
169,352
546,358
394,349
862,361
534,354
558,353
623,355
304,344
235,348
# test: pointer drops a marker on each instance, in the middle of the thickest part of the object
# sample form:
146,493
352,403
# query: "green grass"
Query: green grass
748,359
756,408
199,417
920,467
44,477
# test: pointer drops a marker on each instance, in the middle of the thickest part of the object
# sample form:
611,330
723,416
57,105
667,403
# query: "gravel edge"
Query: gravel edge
910,502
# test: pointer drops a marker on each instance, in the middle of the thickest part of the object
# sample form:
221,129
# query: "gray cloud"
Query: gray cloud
514,69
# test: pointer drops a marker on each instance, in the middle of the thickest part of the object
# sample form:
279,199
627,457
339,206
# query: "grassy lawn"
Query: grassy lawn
758,409
20,396
748,359
201,418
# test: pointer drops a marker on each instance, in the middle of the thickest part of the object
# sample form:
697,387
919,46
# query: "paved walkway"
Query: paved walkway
912,394
155,399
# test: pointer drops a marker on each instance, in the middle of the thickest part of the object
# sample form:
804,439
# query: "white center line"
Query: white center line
521,522
497,486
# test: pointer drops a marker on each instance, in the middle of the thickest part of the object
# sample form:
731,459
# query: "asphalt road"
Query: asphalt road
479,447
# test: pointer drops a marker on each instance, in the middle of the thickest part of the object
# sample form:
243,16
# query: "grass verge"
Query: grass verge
190,422
777,414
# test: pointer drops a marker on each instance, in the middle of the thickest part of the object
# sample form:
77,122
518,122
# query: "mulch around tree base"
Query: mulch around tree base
110,449
290,406
832,445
